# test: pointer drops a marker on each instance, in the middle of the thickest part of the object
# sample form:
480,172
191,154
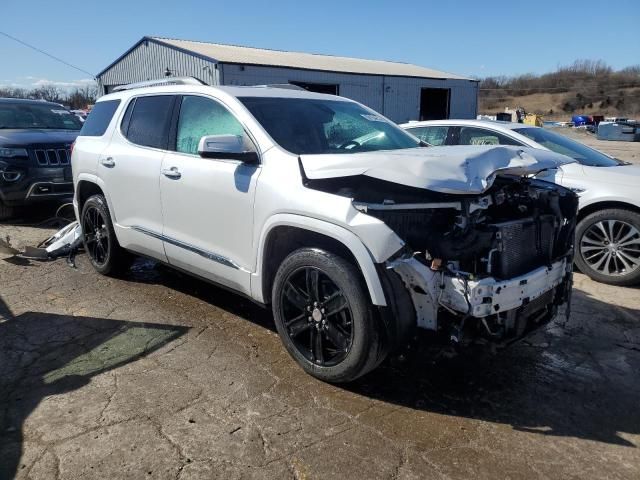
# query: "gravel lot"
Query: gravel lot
157,375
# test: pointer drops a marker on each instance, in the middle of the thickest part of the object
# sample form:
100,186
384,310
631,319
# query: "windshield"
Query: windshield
561,144
310,126
33,116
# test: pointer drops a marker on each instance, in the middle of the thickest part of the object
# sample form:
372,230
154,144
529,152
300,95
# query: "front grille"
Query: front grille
52,157
524,245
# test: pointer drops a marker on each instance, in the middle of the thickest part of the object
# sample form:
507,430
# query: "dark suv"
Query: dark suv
35,143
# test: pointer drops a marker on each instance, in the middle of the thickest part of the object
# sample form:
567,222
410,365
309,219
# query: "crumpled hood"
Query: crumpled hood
460,169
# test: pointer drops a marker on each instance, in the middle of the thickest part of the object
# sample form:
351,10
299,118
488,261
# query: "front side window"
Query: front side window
311,126
31,115
436,135
565,146
200,116
149,122
482,136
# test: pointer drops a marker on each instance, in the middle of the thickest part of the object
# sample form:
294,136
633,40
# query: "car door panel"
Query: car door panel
208,208
131,172
208,216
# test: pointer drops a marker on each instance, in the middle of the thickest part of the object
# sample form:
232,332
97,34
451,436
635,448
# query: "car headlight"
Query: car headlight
13,152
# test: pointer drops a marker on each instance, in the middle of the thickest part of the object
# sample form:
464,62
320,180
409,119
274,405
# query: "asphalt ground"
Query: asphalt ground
158,375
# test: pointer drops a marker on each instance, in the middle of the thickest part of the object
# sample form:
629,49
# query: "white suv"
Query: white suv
325,210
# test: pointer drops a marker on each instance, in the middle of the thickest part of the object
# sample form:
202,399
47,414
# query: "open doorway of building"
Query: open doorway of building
330,88
434,103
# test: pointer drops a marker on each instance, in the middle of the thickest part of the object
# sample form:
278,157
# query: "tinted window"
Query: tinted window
33,115
482,136
310,126
561,144
435,136
98,120
201,116
149,123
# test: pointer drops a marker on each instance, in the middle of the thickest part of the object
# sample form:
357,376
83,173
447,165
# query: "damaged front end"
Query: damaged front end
479,267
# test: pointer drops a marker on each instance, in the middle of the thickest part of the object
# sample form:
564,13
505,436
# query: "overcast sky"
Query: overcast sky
474,38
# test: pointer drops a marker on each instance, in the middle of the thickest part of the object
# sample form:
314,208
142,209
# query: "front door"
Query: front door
207,204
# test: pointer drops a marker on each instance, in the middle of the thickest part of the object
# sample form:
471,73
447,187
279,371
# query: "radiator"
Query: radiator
523,245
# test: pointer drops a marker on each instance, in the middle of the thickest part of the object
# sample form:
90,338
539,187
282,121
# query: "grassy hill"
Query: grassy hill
589,87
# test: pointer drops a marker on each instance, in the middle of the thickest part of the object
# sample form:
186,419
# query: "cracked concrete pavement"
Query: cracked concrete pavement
158,375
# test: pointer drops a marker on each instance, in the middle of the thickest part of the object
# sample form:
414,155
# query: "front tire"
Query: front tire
99,238
324,316
608,246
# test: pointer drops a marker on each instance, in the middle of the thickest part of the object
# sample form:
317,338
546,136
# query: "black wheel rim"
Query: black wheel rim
96,236
317,316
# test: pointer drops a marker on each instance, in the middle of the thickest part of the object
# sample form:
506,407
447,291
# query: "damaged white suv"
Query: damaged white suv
353,232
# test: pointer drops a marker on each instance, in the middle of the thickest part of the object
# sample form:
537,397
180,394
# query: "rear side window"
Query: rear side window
435,136
148,124
481,136
99,118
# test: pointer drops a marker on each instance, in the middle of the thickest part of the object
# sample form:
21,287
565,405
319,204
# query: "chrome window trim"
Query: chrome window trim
192,248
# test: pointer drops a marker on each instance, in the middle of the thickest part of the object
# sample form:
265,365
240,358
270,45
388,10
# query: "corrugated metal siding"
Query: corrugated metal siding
365,89
400,101
402,97
149,61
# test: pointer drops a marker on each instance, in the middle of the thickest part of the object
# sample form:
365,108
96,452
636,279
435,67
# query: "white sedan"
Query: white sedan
608,231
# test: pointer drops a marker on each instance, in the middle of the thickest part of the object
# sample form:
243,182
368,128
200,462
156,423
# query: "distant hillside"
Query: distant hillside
589,87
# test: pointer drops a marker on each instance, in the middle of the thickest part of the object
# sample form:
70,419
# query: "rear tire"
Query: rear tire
608,246
99,238
324,316
6,212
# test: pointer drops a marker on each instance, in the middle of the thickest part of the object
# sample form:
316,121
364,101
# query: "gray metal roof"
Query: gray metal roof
308,61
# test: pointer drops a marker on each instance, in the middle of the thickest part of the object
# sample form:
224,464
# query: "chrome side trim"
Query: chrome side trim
203,253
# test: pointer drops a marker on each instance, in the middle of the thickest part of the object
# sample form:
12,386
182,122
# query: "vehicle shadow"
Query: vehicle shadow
42,215
576,378
43,355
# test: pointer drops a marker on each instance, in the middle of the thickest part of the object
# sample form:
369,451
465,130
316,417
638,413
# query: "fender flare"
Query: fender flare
341,234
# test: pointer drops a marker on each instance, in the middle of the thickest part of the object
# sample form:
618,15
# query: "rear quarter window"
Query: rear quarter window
99,118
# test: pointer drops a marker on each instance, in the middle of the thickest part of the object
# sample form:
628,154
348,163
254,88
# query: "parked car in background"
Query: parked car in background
35,144
608,231
343,223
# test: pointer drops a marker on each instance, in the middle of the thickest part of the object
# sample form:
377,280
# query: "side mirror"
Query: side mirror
226,147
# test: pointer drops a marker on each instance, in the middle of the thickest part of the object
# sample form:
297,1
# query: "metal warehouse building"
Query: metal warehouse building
399,91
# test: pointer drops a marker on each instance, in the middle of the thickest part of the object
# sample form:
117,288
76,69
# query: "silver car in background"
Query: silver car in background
608,231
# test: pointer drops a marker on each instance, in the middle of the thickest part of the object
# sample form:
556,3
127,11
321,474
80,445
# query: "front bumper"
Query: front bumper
21,185
439,294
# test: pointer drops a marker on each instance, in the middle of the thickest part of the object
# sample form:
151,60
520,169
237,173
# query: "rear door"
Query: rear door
130,168
208,203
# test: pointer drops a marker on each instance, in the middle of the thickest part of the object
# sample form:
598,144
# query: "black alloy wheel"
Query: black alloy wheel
96,236
324,316
317,316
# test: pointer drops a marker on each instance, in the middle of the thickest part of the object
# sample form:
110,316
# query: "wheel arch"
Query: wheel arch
284,233
605,205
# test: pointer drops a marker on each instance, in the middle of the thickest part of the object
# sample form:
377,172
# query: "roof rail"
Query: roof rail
286,86
160,82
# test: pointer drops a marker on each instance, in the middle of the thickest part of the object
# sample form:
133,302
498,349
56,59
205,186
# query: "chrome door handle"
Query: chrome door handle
172,172
108,162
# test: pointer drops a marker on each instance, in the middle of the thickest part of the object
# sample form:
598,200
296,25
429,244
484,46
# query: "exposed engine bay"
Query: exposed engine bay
488,266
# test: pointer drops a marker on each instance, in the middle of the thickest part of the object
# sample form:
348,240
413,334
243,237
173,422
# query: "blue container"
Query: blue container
580,120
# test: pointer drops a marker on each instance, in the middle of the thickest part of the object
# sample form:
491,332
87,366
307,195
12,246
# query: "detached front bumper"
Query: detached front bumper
502,308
